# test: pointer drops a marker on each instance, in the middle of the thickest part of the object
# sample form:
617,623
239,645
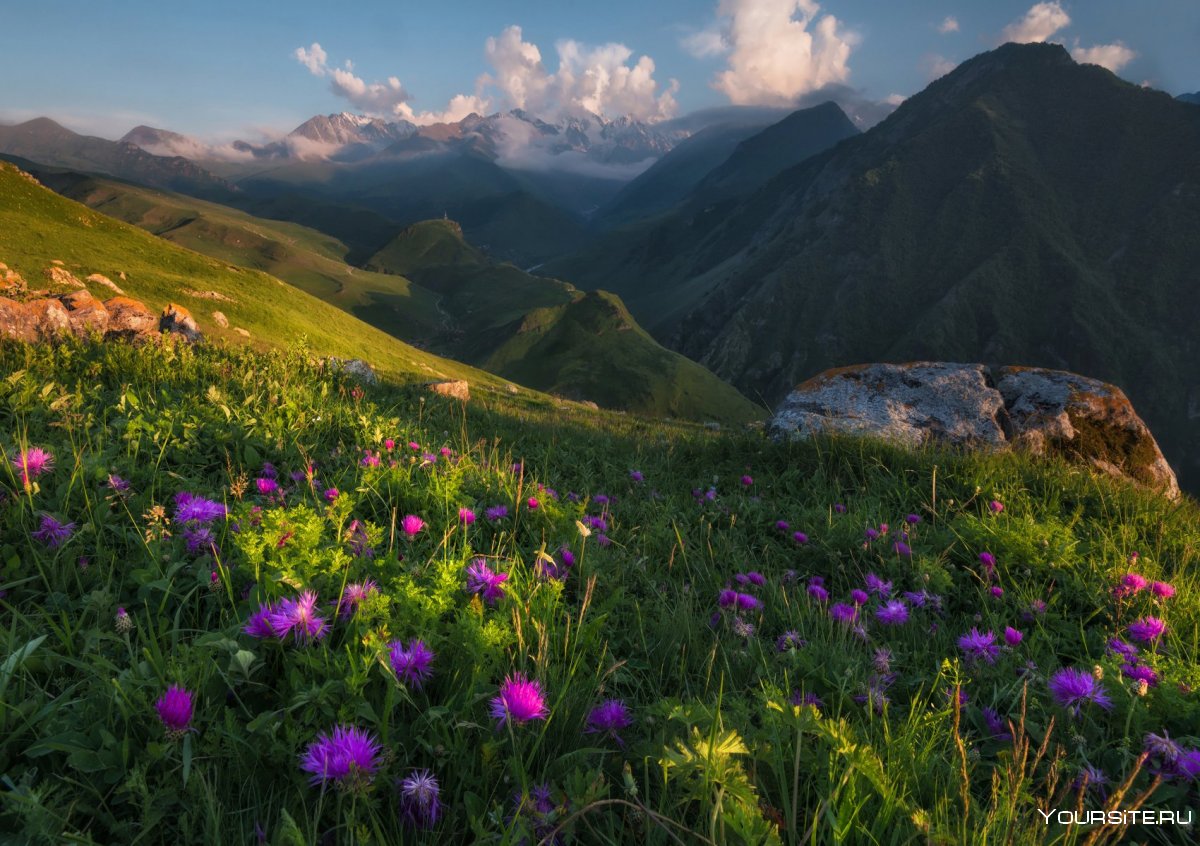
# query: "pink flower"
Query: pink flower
175,708
466,516
412,525
1011,636
747,481
519,700
1162,590
532,503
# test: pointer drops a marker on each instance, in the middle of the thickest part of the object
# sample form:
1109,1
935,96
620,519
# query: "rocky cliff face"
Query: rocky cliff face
1045,412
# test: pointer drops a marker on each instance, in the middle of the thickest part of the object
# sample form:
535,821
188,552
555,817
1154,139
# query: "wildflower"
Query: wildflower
519,701
748,602
1147,629
496,512
298,616
1012,637
727,598
1130,584
859,597
843,613
608,718
882,660
348,757
747,481
33,462
838,508
800,537
1072,688
117,485
995,725
354,593
878,586
781,525
636,476
893,613
979,646
817,591
902,549
175,710
1162,590
742,628
988,561
412,525
924,599
799,700
912,519
755,578
412,664
485,582
603,540
370,459
567,557
1163,751
871,534
331,494
532,503
997,591
190,508
266,486
259,625
1139,673
789,640
199,539
1126,650
358,540
53,533
445,452
995,507
123,623
419,803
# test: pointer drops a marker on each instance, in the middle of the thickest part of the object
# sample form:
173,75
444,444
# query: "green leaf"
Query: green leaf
288,833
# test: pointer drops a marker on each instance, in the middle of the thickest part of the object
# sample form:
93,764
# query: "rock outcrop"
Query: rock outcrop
86,314
458,390
356,368
178,320
79,313
129,318
1044,412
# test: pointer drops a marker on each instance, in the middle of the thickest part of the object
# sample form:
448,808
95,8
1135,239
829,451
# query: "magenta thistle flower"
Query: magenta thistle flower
331,494
53,533
348,757
32,463
859,597
636,476
789,640
818,592
419,799
979,646
995,507
1012,636
1126,650
988,561
997,591
466,516
1072,688
354,593
485,582
747,602
266,485
519,701
567,556
727,598
838,508
412,525
893,613
413,664
902,549
175,708
609,718
298,617
747,481
259,625
800,537
1162,590
532,503
782,525
1147,629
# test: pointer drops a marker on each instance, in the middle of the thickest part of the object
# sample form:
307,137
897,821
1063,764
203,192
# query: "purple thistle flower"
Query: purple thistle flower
349,757
747,481
878,586
413,664
259,625
1071,688
727,598
354,593
52,533
979,646
609,718
1164,754
567,556
1130,584
838,508
266,485
32,463
412,525
893,613
1126,650
496,512
1094,778
799,700
781,525
636,476
995,506
997,591
789,640
1012,636
800,537
116,484
843,613
299,617
1139,672
997,727
175,708
485,582
817,592
519,701
1147,629
912,519
988,561
1162,590
199,539
466,516
190,508
419,799
902,549
870,535
747,602
331,494
859,597
755,578
370,459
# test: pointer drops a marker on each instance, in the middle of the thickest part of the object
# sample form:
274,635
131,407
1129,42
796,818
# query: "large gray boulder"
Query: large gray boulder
1044,412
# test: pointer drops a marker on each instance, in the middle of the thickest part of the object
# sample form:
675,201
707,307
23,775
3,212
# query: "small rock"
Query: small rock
220,319
87,315
241,331
512,389
61,276
177,320
208,295
458,390
50,319
100,279
357,368
589,404
129,318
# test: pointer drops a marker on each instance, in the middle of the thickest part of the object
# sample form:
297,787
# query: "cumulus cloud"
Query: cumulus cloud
1040,23
1111,56
705,43
936,66
601,80
375,98
314,58
948,25
778,50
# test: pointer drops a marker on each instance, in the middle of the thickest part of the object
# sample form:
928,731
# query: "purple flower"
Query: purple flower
988,561
727,598
349,757
419,803
116,484
298,617
781,525
789,640
636,475
1147,629
997,591
199,539
567,556
354,593
838,508
259,625
1131,583
979,646
175,708
859,597
370,459
496,512
747,481
609,718
747,602
266,485
412,525
870,535
902,549
843,613
997,727
32,463
817,591
995,507
893,613
800,537
1011,636
1126,650
413,664
878,586
331,494
53,533
190,508
485,582
519,701
1138,672
1162,590
466,516
1071,688
799,700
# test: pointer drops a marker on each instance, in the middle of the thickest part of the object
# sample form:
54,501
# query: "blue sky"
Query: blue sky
223,69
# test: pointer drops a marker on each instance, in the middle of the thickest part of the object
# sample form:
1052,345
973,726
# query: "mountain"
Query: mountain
44,141
1190,98
1022,208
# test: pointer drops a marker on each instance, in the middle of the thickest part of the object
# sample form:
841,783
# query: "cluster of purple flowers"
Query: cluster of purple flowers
296,617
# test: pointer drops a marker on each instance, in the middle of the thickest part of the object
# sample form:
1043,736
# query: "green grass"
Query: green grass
715,753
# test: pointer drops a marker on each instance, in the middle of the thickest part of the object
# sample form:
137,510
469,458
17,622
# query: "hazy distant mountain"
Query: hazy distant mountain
1190,98
46,142
1021,209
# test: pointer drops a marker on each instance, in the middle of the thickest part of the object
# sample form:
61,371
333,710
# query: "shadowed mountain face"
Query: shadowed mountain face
1022,208
1190,98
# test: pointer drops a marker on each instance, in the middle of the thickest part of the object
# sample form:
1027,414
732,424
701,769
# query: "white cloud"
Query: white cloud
948,25
705,43
600,80
375,98
936,66
1111,56
313,58
1040,23
894,99
780,50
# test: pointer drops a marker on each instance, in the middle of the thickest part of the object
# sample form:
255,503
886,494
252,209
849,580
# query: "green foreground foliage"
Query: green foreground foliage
716,752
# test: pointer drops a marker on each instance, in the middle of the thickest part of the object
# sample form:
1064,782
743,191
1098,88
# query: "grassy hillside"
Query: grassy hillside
699,672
